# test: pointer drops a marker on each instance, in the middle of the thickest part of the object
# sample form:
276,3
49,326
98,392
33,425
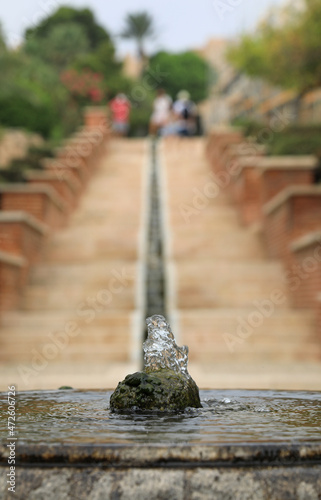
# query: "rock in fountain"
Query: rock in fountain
165,383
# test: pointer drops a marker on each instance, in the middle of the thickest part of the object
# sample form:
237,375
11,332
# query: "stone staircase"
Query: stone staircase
80,317
230,302
76,323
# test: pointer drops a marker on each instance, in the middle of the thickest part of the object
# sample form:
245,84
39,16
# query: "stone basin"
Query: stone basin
241,445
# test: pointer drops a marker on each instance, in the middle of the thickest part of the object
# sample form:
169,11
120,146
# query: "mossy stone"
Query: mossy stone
163,390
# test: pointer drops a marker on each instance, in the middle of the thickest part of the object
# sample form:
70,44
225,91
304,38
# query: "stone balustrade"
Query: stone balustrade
276,195
292,213
67,188
28,211
12,279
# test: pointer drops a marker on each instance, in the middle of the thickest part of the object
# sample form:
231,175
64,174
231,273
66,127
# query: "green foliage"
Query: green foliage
119,83
138,27
101,61
139,120
141,109
185,70
17,111
297,141
33,94
17,169
15,173
66,62
62,45
95,33
293,140
287,54
249,127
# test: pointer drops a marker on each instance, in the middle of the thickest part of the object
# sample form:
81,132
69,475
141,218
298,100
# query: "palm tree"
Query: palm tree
139,26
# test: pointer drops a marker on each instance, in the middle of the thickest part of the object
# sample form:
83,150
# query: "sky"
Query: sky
181,24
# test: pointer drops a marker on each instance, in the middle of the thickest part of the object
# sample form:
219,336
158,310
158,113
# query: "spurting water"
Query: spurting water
164,384
161,350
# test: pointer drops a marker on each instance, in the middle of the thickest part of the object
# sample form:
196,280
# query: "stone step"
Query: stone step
80,353
109,333
99,272
246,353
220,334
227,246
223,281
99,296
87,276
77,374
104,247
279,374
52,319
209,320
212,284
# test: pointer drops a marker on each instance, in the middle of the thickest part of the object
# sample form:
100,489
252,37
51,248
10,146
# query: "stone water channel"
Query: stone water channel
155,276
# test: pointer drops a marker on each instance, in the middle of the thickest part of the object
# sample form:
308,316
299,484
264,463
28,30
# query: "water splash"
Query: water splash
161,350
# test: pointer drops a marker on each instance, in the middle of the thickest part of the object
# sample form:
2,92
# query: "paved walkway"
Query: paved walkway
80,322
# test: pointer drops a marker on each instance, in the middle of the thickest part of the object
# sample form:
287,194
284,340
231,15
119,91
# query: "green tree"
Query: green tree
31,95
70,39
102,60
138,27
286,54
63,44
95,33
185,70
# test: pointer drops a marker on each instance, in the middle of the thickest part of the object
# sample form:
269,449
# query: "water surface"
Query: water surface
227,416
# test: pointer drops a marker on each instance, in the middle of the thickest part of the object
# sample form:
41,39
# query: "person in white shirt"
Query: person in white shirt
161,112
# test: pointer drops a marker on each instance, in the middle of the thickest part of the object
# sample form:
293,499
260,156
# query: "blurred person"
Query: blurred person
161,112
120,109
185,112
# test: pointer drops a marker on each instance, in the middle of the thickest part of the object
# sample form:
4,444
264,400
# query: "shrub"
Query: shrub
17,168
16,111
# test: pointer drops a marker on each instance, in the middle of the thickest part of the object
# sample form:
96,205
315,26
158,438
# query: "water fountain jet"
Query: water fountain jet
164,384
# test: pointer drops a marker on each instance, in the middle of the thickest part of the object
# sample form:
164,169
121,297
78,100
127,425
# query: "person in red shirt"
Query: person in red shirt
120,109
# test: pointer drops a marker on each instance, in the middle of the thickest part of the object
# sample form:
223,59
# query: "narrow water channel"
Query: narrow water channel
155,285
